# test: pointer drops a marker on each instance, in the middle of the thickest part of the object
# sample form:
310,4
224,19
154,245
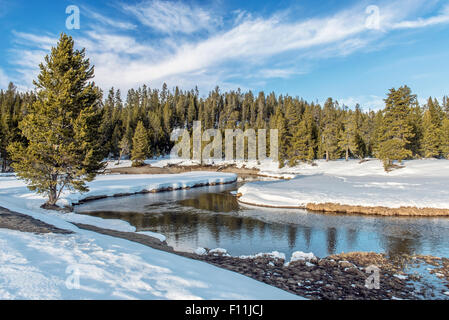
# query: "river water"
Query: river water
211,217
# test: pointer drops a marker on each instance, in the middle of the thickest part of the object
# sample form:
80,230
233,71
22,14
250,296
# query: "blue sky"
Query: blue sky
353,51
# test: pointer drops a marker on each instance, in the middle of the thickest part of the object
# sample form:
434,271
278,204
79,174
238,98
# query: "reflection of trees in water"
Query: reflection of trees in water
292,234
192,222
307,231
216,202
331,240
404,244
400,238
351,237
184,223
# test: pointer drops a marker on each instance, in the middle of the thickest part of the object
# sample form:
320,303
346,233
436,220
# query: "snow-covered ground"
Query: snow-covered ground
51,266
92,266
421,183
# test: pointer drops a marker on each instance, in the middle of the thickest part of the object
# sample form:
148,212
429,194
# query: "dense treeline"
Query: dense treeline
13,105
308,131
141,125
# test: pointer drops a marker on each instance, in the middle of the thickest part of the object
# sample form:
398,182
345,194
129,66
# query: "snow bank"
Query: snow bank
421,184
110,185
14,195
93,266
158,236
219,251
272,255
48,266
269,167
302,256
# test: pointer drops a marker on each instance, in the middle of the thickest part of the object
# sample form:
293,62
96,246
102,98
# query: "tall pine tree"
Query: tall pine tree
63,149
396,132
140,145
432,135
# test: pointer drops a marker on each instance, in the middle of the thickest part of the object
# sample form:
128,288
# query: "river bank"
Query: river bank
155,189
241,172
337,277
419,188
21,222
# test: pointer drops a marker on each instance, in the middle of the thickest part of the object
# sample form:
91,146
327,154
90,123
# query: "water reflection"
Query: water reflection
216,202
211,217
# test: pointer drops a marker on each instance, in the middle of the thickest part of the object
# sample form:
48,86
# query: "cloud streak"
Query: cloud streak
3,79
248,45
172,17
442,18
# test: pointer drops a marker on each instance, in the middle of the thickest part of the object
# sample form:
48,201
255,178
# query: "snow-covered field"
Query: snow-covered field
49,266
421,183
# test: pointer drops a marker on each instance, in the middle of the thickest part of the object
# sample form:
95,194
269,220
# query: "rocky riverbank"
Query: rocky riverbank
337,277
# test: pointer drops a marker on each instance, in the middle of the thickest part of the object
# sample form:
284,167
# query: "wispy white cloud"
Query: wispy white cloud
366,102
115,23
442,18
3,79
172,17
250,45
44,42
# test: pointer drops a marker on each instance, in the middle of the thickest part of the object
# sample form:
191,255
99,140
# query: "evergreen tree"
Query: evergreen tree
346,135
396,132
357,145
330,130
107,123
446,105
278,122
445,138
303,141
140,145
10,114
415,120
377,133
63,148
432,135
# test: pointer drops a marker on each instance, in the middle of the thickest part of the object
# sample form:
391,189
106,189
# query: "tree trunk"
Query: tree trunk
52,196
347,154
53,191
327,156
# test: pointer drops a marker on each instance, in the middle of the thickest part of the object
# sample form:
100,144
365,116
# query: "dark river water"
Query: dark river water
211,218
